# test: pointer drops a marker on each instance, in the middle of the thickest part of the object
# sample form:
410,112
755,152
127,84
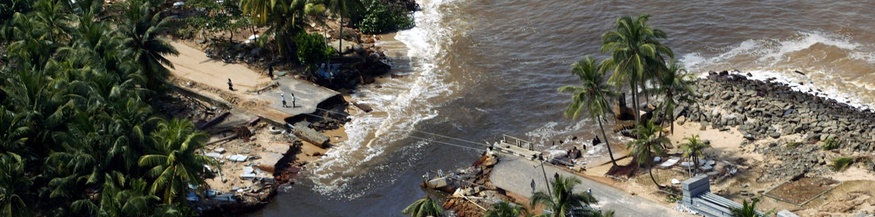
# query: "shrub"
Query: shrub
830,144
382,17
311,49
842,163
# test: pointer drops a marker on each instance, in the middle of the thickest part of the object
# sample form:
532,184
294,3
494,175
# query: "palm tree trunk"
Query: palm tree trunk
635,101
608,144
646,93
670,113
650,170
340,46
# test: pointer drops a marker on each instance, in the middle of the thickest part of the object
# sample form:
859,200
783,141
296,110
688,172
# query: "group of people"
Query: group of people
575,153
282,95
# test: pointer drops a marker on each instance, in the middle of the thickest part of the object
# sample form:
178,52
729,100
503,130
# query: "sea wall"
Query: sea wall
766,109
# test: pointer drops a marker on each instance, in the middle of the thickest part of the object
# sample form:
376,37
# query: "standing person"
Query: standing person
293,101
230,85
270,71
283,95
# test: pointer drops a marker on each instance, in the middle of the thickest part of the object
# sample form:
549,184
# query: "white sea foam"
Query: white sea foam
398,106
769,58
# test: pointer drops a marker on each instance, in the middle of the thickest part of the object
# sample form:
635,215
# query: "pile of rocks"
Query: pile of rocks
766,109
795,159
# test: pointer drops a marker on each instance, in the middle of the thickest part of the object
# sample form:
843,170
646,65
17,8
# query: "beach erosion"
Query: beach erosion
501,62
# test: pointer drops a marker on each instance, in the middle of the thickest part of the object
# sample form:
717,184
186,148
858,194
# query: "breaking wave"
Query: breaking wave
825,64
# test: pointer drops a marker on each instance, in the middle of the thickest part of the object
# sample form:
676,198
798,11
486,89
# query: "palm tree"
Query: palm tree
563,201
504,209
649,141
53,17
126,199
694,148
142,29
347,8
14,131
173,161
423,208
258,10
635,50
676,87
593,94
285,19
14,185
747,209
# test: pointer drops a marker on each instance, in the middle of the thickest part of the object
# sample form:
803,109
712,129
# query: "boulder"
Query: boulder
775,135
679,111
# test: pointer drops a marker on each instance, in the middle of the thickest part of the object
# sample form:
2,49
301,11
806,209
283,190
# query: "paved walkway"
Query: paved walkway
307,96
515,174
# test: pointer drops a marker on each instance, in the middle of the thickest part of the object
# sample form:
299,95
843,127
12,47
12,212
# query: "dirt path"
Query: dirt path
192,64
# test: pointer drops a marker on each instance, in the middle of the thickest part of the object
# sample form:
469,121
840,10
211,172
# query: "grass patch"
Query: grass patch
830,144
793,145
842,163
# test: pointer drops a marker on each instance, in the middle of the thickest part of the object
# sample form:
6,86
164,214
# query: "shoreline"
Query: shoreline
751,121
210,93
745,138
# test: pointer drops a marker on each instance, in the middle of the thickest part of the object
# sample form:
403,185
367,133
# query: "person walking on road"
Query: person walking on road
293,101
230,85
283,96
270,71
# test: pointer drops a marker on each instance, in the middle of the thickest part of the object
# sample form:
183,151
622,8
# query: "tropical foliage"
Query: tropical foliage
649,143
345,8
78,137
311,49
142,29
562,200
424,207
593,94
637,55
216,16
504,209
676,87
695,148
748,209
382,17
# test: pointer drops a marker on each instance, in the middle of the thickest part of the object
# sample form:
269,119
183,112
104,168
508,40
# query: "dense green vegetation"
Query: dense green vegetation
79,136
383,16
311,49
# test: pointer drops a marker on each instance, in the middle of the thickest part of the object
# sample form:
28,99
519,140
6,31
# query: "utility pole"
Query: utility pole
544,171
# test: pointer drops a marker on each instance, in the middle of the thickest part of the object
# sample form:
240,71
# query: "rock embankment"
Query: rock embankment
769,110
